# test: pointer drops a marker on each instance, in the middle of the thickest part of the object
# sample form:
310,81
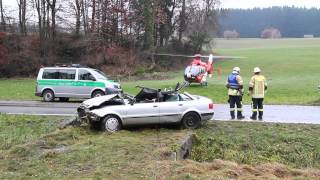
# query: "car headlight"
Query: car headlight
117,86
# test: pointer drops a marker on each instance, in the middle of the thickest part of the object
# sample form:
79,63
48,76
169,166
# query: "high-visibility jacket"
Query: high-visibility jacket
232,81
258,86
235,91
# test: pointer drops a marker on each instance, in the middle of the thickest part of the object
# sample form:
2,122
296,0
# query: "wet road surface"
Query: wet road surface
276,113
272,113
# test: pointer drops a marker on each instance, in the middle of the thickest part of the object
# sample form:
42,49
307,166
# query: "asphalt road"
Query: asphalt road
272,113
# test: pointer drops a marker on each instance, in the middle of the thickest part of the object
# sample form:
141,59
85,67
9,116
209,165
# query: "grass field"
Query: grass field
292,68
255,143
35,149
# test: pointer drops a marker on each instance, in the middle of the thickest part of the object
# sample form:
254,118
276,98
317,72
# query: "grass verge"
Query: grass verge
80,153
255,143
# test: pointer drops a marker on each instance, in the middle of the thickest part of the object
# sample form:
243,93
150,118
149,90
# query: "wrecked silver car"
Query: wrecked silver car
149,106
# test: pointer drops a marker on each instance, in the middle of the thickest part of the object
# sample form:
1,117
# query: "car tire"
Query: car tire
48,96
97,94
110,123
191,120
63,99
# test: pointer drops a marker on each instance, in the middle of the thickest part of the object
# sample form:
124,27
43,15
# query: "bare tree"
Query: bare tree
40,6
93,13
22,5
3,22
77,11
84,10
52,6
182,20
201,22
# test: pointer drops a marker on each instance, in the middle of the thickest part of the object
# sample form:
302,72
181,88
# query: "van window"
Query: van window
50,74
85,75
67,74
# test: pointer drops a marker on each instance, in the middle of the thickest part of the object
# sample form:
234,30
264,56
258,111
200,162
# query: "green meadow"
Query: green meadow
291,66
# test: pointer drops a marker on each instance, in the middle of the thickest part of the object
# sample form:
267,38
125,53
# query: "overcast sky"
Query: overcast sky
268,3
238,3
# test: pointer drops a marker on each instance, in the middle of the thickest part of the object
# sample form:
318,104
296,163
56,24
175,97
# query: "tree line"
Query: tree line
103,32
291,21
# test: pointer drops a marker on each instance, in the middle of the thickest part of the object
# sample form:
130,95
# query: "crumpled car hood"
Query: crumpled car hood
97,101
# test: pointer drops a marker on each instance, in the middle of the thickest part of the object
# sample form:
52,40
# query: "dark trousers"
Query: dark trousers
235,101
257,106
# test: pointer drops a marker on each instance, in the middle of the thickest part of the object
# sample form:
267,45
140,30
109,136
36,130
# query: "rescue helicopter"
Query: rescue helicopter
198,70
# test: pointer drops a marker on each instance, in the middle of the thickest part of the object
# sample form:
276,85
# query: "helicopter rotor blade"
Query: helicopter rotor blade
225,57
213,57
174,55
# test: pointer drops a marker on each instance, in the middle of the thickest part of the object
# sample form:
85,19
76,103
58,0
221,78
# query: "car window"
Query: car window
171,98
85,75
183,97
100,74
67,74
50,74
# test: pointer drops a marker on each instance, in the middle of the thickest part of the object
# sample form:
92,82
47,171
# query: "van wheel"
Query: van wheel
191,120
110,123
48,96
97,94
63,99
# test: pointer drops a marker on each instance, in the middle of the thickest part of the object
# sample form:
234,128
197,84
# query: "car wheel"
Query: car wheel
191,120
48,96
97,94
110,123
63,99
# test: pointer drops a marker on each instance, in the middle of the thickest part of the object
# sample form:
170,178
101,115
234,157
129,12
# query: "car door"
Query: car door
171,109
85,83
142,113
66,81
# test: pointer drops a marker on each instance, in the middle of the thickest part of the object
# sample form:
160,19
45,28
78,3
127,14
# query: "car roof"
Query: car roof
67,68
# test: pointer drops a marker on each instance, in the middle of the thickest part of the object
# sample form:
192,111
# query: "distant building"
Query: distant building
308,36
270,33
228,34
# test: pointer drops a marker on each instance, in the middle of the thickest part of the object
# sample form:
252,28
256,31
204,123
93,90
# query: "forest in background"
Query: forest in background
120,36
116,36
291,21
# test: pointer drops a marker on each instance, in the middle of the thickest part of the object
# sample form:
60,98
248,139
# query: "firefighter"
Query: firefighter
235,92
257,89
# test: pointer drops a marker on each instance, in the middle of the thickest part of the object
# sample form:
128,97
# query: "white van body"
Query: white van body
73,82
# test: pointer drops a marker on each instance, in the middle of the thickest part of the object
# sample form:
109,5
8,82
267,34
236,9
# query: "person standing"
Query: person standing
257,89
235,92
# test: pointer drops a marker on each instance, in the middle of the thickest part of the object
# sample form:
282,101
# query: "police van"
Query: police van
73,81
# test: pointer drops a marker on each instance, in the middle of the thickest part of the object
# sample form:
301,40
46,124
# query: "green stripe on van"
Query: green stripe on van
54,82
